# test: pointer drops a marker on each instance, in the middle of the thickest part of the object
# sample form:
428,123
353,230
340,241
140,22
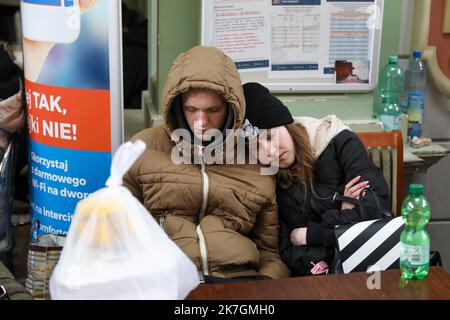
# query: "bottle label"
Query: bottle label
390,122
414,129
415,114
414,255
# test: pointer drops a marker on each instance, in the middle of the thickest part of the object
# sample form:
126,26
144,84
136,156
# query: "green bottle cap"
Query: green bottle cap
393,59
416,189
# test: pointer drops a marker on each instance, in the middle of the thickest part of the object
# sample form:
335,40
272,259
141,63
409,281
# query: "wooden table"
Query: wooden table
341,287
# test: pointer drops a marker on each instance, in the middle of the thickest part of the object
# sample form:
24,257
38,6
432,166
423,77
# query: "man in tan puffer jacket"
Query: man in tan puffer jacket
223,216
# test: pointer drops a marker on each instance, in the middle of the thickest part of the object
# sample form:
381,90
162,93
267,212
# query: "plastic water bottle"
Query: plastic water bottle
389,113
391,80
415,114
414,239
415,78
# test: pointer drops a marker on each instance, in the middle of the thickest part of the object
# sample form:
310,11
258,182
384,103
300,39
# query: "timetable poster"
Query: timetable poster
298,39
310,36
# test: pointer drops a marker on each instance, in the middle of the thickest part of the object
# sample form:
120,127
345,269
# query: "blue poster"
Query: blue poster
69,110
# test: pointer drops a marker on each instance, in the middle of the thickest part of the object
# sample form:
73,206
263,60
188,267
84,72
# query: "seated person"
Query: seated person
223,216
12,110
320,161
9,75
12,118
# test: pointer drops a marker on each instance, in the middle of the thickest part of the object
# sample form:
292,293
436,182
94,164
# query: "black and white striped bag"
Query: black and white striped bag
372,245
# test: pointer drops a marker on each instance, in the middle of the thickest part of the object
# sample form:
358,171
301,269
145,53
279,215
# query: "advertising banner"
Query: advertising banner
72,62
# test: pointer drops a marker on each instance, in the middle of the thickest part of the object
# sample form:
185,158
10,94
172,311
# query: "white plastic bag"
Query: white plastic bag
116,250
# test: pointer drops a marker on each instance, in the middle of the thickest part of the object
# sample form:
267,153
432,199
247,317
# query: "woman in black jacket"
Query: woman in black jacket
321,162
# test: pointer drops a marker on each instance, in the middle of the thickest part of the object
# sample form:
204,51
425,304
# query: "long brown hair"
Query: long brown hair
303,166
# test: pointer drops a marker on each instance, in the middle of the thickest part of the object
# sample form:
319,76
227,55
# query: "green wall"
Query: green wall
178,30
179,24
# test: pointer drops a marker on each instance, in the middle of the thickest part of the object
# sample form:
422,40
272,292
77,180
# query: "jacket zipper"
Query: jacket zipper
162,221
201,237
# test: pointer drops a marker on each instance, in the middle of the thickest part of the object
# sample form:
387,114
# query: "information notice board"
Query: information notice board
299,45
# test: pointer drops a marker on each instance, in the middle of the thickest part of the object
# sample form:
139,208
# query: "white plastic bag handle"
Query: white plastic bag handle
123,159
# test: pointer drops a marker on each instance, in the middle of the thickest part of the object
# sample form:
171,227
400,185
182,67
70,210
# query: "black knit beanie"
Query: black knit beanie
263,109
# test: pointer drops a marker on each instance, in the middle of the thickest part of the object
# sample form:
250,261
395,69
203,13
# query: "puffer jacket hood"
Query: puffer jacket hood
189,71
321,131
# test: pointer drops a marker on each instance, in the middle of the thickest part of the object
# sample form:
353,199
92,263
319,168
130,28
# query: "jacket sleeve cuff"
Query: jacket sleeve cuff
320,236
315,234
329,238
